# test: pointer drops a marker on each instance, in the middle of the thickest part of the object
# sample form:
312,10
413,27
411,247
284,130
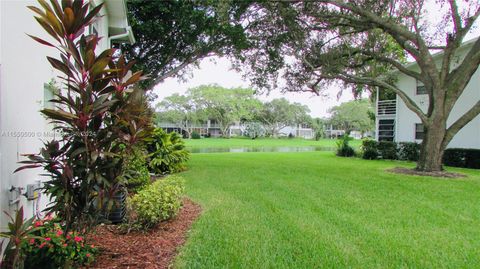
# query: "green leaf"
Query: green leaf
59,115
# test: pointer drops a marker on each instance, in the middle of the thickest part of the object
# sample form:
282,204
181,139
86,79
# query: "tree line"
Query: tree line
228,106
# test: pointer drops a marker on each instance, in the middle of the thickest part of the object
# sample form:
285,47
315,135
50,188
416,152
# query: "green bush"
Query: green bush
195,135
158,202
254,130
408,151
369,149
458,157
166,152
343,147
319,135
137,174
387,150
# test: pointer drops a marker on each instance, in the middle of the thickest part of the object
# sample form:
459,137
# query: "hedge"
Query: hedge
457,157
410,151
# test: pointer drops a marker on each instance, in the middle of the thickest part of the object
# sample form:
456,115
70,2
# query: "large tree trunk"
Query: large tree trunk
433,147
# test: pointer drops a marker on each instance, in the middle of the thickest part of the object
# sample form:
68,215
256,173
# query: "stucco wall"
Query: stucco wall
24,70
468,137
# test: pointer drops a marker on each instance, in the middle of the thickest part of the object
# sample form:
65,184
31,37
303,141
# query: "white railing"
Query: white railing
386,107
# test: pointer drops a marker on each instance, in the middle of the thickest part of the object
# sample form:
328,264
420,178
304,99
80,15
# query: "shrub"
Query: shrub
458,157
369,149
158,202
343,147
19,231
254,130
42,243
52,248
319,134
195,135
137,174
408,151
166,152
387,150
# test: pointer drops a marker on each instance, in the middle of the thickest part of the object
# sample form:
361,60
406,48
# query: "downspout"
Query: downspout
128,33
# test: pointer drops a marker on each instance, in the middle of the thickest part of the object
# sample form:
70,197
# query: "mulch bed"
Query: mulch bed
149,250
409,171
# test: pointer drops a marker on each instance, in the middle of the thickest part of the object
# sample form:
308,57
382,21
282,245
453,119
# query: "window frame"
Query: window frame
420,85
416,131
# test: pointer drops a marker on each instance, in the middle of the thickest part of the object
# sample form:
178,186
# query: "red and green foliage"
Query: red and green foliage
19,231
96,114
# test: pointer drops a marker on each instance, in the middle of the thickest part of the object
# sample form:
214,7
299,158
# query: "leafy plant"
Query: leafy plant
93,114
254,130
369,149
343,147
19,232
137,173
52,248
195,135
458,157
166,152
409,151
158,202
387,150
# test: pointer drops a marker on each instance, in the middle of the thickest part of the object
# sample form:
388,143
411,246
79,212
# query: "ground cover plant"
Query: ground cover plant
316,210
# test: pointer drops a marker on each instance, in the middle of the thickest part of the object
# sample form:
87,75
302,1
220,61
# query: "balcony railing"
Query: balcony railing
386,107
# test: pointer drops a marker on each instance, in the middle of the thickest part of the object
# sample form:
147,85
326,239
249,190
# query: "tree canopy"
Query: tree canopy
353,115
280,113
173,35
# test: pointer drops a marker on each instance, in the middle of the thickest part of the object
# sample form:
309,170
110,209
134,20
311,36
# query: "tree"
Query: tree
280,113
318,126
353,116
226,106
173,35
181,110
357,41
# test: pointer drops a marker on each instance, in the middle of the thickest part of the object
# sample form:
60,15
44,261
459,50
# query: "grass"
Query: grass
316,210
261,142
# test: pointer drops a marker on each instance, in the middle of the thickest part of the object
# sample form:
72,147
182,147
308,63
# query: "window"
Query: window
419,131
420,88
386,130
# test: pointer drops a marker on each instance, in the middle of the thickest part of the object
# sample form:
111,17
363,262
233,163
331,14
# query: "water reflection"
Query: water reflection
261,149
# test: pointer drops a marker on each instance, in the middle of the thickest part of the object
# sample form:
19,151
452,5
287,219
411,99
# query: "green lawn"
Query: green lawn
263,142
316,210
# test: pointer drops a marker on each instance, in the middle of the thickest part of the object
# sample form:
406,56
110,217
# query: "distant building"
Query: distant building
211,128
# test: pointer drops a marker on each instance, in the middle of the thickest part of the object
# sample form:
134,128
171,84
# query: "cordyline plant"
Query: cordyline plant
92,113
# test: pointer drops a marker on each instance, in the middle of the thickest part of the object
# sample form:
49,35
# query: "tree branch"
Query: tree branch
378,83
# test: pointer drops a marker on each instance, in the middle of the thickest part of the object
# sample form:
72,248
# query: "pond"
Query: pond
261,149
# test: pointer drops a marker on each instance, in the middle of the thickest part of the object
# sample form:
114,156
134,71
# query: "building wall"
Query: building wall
468,137
24,71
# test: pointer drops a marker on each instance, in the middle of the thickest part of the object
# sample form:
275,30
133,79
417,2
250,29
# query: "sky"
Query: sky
218,71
